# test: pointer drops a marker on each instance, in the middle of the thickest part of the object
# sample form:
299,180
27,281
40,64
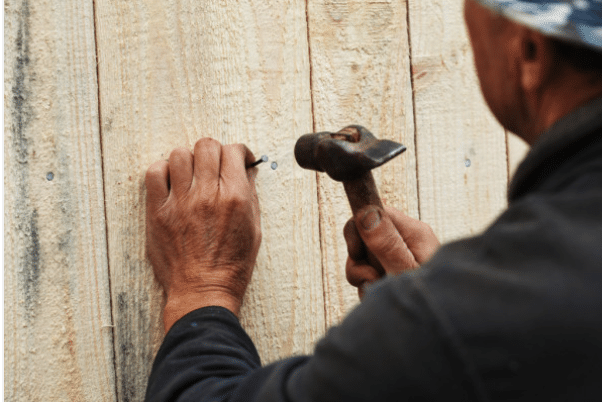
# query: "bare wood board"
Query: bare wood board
58,341
461,149
169,74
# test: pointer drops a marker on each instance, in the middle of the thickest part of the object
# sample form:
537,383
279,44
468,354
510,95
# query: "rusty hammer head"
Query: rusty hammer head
345,155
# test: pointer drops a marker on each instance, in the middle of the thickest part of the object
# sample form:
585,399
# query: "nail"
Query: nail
264,158
371,219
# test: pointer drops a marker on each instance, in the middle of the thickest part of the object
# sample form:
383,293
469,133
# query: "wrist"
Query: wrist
177,306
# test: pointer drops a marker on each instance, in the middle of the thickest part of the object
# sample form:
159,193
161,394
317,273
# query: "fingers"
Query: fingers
418,235
235,159
157,184
355,246
216,165
407,227
383,239
207,162
359,273
180,171
237,179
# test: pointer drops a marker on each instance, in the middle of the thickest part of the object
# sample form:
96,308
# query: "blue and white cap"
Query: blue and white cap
577,21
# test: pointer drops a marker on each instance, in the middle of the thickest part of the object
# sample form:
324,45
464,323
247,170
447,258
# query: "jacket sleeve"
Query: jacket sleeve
207,356
389,348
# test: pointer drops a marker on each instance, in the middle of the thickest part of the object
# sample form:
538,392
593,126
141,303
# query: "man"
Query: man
512,314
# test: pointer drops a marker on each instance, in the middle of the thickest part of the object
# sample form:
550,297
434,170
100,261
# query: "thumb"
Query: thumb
384,241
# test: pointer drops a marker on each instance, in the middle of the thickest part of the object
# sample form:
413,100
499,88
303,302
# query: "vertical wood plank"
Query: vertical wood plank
169,74
360,75
58,343
462,168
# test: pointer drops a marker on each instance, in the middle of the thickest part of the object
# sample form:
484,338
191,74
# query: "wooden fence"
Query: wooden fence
97,90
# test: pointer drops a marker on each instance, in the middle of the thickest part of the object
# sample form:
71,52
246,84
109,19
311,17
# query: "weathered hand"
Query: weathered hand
202,226
396,240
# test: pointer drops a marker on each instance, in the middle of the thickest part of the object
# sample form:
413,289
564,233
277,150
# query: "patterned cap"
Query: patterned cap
578,21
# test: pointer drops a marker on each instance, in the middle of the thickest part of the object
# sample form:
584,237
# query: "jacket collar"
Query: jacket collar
578,130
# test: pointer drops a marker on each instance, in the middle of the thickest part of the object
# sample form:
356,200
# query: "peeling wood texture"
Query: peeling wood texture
58,343
95,91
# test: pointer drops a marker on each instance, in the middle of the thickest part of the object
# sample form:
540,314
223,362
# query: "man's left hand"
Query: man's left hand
202,226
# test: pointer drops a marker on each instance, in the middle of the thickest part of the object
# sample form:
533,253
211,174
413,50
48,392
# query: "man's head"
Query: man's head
531,75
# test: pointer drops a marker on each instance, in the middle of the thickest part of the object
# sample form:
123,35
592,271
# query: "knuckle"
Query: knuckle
180,154
231,147
238,150
426,230
228,149
350,273
162,217
155,170
207,143
237,199
244,150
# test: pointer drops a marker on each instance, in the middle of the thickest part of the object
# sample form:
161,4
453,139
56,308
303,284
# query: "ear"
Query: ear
536,59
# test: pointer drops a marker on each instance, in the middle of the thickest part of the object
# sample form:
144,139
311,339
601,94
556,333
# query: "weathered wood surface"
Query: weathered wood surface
58,343
169,74
164,74
360,75
460,148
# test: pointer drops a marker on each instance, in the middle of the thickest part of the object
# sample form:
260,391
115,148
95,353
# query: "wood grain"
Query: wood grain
83,314
169,74
58,343
360,75
461,149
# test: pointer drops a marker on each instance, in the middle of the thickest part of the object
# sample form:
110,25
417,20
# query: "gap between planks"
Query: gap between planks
111,326
313,127
413,105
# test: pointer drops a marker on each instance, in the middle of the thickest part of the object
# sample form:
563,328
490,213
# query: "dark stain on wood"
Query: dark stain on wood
133,349
31,263
125,352
21,110
21,115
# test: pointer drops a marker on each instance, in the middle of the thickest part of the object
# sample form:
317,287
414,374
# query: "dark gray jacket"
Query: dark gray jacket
512,314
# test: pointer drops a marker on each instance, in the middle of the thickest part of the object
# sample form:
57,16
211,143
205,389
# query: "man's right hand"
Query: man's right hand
396,240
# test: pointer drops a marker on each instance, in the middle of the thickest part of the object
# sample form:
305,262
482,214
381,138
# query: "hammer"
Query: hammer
348,156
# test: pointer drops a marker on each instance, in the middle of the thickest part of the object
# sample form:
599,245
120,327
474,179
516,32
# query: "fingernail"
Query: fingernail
371,219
